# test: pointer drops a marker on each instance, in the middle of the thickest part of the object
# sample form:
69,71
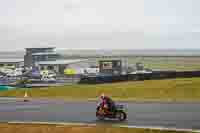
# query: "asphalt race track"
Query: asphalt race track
169,115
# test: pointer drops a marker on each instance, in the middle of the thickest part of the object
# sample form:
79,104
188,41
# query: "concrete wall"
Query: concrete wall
28,60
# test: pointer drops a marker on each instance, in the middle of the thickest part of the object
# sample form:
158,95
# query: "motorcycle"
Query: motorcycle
120,113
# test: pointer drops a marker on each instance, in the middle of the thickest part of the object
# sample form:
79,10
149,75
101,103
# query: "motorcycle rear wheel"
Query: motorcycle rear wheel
121,116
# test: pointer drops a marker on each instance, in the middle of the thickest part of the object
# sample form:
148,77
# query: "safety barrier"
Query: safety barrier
136,77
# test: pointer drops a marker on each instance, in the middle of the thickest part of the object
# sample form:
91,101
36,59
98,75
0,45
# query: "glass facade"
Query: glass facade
50,57
39,50
34,55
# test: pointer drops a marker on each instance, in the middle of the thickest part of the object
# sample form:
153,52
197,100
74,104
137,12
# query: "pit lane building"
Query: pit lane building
47,59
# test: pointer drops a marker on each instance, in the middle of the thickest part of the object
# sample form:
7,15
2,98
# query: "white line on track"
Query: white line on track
94,125
159,128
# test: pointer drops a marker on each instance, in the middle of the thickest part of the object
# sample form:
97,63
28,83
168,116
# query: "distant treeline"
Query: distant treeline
112,53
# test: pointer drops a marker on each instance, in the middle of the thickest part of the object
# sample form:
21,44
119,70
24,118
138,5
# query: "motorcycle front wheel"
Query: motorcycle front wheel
99,117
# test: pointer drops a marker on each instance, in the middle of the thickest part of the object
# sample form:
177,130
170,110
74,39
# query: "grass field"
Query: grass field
186,89
168,63
28,128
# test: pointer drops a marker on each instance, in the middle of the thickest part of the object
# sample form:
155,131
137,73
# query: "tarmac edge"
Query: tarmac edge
94,125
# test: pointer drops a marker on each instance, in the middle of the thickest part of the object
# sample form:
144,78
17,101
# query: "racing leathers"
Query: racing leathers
108,104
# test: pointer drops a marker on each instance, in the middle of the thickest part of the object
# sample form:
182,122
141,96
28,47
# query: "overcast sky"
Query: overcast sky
99,24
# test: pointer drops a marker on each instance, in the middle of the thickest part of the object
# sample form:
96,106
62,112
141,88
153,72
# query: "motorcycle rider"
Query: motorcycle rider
107,104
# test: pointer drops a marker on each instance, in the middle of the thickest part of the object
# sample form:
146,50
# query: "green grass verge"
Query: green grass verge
28,128
186,89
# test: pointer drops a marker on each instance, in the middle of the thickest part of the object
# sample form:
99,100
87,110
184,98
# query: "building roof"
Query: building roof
45,53
60,62
11,60
42,48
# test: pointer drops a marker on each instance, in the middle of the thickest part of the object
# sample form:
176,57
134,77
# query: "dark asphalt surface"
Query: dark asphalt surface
169,115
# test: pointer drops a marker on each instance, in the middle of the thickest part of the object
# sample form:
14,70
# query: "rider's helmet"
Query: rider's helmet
102,96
